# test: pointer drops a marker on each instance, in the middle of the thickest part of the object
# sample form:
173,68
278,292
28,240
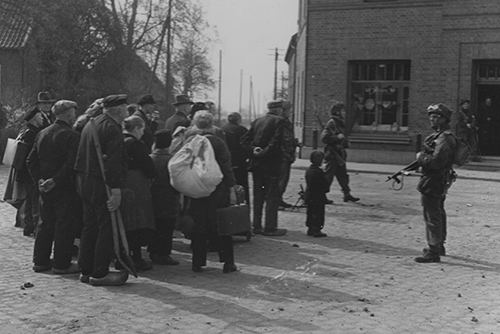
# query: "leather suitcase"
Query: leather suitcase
234,219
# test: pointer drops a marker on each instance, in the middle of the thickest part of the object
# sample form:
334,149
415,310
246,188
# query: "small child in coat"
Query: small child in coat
315,195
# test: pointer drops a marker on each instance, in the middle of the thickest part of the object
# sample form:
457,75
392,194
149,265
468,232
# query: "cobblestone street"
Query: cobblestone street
359,279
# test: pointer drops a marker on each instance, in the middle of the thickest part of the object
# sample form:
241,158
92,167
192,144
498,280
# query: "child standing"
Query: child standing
315,195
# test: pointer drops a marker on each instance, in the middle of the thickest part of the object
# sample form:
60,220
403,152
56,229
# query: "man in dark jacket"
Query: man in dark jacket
333,136
263,142
288,147
436,161
234,131
96,245
182,108
146,107
51,165
165,202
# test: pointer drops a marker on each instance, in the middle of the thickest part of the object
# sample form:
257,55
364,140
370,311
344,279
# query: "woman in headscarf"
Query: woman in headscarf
138,209
203,210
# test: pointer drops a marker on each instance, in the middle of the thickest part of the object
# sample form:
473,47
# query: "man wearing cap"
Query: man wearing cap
436,161
263,143
36,119
182,108
146,108
51,165
96,245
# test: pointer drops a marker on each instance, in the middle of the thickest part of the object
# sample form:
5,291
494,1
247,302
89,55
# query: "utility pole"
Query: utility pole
241,88
250,93
220,86
168,76
276,56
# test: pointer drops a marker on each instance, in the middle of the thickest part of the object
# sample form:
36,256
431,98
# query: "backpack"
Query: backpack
194,172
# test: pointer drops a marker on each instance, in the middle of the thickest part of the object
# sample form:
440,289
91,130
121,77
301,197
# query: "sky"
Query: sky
248,31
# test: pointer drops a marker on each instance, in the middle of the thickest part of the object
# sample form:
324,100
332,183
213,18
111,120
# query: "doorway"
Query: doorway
487,106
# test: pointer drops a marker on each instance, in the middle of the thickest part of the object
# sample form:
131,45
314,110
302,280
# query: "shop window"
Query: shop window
380,93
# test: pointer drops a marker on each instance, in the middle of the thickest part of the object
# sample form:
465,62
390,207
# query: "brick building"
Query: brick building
387,60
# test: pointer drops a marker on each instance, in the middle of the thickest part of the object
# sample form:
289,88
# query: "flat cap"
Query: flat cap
279,104
61,106
114,100
146,99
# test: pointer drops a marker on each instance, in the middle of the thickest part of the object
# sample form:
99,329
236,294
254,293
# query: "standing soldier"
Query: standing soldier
333,136
51,165
264,143
96,245
436,161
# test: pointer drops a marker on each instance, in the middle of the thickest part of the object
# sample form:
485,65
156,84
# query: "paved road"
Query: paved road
360,279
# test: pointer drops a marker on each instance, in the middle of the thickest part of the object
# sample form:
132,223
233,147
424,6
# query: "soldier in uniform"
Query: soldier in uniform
180,118
333,136
146,108
51,165
96,245
436,161
264,143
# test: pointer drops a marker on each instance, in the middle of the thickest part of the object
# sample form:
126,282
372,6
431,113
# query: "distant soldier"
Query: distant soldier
263,143
96,245
333,136
51,165
436,161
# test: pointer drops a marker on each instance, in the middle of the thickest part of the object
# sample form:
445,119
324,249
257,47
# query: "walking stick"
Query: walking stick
116,216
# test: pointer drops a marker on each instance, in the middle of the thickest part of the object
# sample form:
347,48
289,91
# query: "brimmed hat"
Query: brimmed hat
61,106
44,97
146,99
440,109
182,99
114,100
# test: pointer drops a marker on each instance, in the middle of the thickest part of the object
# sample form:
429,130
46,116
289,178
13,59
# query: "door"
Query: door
487,105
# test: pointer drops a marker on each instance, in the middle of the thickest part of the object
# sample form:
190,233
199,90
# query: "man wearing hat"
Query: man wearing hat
36,119
51,165
146,108
436,161
182,108
96,244
264,143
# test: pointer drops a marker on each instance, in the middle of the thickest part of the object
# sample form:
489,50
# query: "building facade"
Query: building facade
387,60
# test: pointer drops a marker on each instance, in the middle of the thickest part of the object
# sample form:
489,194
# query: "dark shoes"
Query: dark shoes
229,268
196,269
72,269
163,260
111,279
350,198
316,234
275,233
442,251
328,201
428,257
84,278
143,265
38,268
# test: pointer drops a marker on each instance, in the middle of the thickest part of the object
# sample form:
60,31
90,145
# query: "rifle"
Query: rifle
404,171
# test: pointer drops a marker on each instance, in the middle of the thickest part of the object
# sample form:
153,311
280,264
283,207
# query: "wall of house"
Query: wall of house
440,38
10,77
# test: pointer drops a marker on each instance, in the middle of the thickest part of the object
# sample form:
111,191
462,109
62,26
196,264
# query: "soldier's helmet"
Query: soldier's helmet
440,109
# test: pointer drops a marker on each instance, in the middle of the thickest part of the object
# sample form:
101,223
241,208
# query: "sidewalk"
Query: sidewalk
386,169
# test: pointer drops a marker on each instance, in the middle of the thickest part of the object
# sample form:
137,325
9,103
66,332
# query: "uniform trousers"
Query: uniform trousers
435,219
336,170
57,227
